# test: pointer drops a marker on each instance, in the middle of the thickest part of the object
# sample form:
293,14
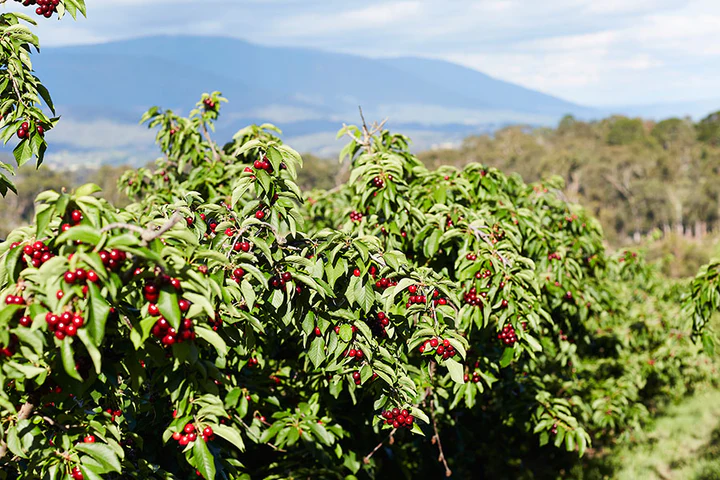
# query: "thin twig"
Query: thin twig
206,134
146,234
486,237
15,86
54,423
441,457
366,458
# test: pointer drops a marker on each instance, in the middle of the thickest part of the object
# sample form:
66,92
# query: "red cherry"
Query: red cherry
259,214
76,216
189,428
153,310
317,331
184,305
356,272
208,432
176,436
70,277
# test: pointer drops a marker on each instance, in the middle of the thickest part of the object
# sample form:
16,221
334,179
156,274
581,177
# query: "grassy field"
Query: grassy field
684,443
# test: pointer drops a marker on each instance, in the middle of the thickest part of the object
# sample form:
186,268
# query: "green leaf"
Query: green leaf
346,333
317,351
168,305
43,217
68,359
231,435
203,459
13,443
456,370
98,311
95,354
84,233
507,357
212,338
23,152
103,454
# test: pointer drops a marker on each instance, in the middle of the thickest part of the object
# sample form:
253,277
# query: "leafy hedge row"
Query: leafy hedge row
229,325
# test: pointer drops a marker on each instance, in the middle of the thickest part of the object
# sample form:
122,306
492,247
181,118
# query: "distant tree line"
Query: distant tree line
636,176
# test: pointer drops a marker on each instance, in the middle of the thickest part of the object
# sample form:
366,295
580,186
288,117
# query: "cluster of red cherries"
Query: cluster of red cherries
378,182
554,256
238,274
472,298
475,377
480,274
76,216
378,323
165,332
25,321
113,260
263,164
38,252
356,216
65,324
441,346
398,418
356,354
24,130
242,246
80,277
189,435
384,283
45,7
507,335
278,281
209,104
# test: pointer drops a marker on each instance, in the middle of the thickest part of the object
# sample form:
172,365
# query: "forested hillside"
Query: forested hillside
635,176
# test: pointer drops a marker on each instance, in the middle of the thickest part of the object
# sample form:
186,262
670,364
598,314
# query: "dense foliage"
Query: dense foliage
22,94
228,325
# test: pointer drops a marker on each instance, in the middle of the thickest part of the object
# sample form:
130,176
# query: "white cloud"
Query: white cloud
101,134
589,51
372,16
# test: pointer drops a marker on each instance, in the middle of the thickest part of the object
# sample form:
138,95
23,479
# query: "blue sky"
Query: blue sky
594,52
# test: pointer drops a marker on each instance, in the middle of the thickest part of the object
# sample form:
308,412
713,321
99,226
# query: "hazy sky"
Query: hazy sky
595,52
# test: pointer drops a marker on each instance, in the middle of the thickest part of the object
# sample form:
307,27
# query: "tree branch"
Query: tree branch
366,458
146,234
436,437
486,237
206,134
